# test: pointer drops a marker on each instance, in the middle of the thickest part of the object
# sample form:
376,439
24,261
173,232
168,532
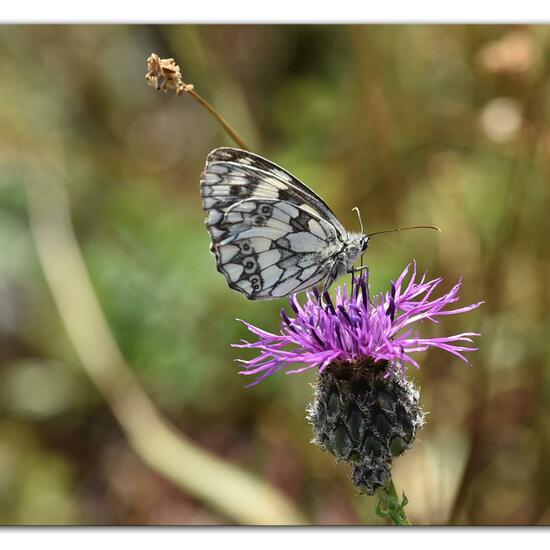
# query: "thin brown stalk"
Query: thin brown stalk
165,74
226,126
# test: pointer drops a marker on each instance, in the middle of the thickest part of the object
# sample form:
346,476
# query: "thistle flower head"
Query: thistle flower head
354,328
364,411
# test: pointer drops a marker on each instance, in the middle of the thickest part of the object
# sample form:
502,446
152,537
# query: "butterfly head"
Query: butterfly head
355,245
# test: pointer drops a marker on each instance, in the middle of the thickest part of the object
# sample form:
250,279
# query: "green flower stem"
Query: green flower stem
389,505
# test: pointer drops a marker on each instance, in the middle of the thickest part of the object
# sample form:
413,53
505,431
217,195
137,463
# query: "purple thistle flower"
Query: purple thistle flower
355,329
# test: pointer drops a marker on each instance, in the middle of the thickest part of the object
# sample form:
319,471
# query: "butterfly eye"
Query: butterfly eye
364,244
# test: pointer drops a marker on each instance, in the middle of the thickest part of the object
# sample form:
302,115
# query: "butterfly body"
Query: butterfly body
354,246
271,235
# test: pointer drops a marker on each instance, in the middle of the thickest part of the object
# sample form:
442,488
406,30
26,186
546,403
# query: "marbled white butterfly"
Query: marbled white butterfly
271,235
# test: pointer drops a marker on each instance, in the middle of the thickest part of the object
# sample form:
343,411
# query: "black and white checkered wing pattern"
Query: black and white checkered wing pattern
271,235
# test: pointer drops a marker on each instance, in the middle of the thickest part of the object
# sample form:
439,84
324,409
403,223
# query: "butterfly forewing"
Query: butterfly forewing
270,232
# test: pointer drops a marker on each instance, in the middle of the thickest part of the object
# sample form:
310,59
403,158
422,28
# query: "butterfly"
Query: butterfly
271,235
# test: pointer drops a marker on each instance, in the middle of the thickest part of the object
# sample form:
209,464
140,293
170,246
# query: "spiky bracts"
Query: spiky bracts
365,411
365,418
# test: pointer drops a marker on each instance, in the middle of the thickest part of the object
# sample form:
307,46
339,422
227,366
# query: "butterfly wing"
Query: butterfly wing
271,235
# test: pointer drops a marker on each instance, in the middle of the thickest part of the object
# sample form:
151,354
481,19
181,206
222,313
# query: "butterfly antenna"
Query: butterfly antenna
362,230
359,216
405,229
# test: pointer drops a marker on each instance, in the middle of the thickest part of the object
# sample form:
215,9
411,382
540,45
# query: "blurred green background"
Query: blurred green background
442,125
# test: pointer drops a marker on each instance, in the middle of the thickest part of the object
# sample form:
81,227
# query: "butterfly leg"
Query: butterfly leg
326,285
360,268
329,280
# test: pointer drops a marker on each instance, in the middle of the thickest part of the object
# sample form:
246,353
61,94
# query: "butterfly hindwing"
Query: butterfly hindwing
269,231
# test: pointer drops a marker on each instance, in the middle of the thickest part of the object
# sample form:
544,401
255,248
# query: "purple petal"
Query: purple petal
350,328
